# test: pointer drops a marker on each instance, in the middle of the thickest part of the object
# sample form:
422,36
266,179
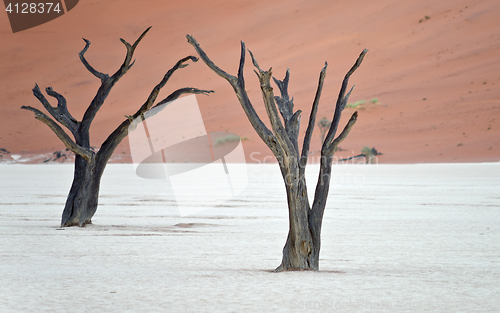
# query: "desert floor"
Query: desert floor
396,238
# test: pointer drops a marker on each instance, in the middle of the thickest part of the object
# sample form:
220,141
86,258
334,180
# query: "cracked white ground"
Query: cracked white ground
395,238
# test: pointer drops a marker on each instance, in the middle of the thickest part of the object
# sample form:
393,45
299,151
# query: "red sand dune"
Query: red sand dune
436,78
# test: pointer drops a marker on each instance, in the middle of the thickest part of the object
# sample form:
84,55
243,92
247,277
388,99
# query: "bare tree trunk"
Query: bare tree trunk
81,203
301,251
299,246
82,200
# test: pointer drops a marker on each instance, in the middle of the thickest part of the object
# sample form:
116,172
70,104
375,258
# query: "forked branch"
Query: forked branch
62,106
130,54
59,113
121,131
156,90
107,82
341,102
285,106
347,128
272,112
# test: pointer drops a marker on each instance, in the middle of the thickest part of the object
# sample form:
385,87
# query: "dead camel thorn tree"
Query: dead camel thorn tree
81,203
301,251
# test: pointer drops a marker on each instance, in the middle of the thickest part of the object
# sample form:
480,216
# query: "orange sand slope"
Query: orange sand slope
433,70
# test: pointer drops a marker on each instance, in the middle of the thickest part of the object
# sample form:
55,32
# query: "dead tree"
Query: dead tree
369,154
301,251
81,203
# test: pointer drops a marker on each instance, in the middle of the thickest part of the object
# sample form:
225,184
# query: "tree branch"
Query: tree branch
333,146
156,90
106,82
87,65
68,142
268,96
60,113
110,144
179,92
230,78
341,100
292,128
238,84
312,119
61,103
285,106
128,58
241,79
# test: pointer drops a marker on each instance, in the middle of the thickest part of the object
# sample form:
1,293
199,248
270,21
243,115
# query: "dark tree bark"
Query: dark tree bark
301,251
82,200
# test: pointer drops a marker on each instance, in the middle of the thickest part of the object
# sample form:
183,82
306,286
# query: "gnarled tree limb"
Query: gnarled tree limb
107,82
87,154
238,84
156,90
87,65
61,104
128,58
285,106
272,112
60,113
110,144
